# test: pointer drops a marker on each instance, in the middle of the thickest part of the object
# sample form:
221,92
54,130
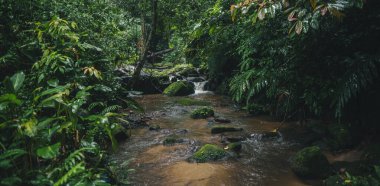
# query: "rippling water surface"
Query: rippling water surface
261,161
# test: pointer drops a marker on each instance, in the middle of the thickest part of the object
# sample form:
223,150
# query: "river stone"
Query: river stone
172,139
202,113
236,147
232,139
179,88
195,79
310,163
221,129
208,152
120,132
154,127
222,120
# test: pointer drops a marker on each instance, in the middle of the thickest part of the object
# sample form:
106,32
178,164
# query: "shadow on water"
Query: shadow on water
261,161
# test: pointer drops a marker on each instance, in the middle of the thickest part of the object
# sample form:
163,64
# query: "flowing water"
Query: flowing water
261,161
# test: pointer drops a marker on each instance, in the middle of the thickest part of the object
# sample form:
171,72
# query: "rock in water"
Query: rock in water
222,120
202,113
310,163
209,153
180,88
221,129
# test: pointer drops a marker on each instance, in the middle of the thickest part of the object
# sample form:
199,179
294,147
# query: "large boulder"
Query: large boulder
202,113
149,84
208,153
310,163
179,88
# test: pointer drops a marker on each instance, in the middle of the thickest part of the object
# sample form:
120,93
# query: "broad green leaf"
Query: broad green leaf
49,152
30,127
17,81
10,98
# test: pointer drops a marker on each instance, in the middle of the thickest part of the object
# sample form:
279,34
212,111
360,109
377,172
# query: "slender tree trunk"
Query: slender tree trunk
145,43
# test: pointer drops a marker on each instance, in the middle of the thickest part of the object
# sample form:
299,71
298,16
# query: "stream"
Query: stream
261,161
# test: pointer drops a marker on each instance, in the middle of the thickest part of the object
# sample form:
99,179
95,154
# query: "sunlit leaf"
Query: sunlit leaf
49,152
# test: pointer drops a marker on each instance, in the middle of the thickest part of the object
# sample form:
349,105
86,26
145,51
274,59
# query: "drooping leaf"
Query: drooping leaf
49,152
298,27
17,81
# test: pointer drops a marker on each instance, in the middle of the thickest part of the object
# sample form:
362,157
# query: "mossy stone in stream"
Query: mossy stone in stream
236,147
172,139
154,127
202,113
191,102
179,88
119,132
208,152
310,163
221,129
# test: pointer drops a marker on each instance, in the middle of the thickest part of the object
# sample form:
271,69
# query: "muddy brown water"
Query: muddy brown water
261,162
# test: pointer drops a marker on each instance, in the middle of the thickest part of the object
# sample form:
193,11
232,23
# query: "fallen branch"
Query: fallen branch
160,53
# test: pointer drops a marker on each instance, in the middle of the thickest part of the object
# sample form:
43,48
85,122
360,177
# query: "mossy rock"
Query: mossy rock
222,120
310,163
255,109
172,139
154,127
120,132
179,88
236,147
221,129
340,137
191,102
202,113
208,152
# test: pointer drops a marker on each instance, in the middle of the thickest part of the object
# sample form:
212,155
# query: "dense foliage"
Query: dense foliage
59,93
60,98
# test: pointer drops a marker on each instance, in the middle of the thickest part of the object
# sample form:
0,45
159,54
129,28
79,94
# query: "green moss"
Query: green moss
220,129
236,147
172,139
209,153
191,102
154,127
179,88
202,113
311,163
120,132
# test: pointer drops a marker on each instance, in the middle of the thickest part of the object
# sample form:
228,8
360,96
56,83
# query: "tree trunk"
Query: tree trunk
146,45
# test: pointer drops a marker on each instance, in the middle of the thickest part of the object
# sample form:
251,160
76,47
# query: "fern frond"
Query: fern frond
111,108
74,171
352,84
95,104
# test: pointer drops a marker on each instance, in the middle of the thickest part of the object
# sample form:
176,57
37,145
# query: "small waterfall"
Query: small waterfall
200,87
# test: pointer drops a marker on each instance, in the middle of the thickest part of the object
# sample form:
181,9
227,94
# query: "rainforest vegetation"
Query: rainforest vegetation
72,73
